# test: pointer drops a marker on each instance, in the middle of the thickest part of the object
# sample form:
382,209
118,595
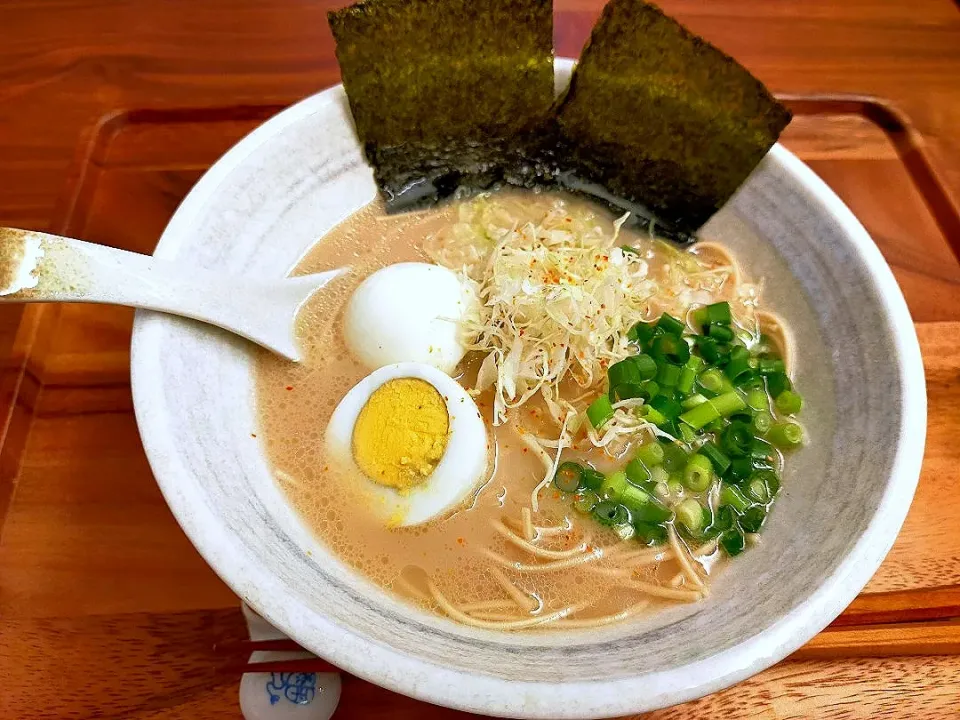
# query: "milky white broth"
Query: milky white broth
295,402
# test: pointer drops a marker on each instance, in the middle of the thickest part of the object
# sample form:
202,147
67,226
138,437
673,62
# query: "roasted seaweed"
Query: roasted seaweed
446,92
659,117
459,93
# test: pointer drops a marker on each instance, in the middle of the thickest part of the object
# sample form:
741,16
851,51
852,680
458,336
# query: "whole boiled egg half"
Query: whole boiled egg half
409,312
413,439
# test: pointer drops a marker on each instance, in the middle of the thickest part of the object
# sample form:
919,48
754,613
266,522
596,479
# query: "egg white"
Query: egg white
457,475
408,312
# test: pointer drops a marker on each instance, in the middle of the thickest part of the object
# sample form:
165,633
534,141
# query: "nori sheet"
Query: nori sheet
459,93
446,92
662,119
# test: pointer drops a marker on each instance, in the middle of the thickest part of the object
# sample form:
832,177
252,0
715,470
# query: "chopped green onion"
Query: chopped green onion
716,426
567,478
650,533
709,348
668,375
711,380
693,401
777,383
739,353
670,428
689,372
651,414
768,478
646,365
670,325
670,348
687,433
720,461
753,518
757,400
644,507
591,478
757,490
761,450
690,514
725,519
741,417
740,468
667,406
674,486
608,513
650,454
662,490
687,378
761,422
642,333
634,498
719,313
695,363
738,369
613,485
629,249
729,403
600,411
788,402
730,495
771,366
624,372
698,473
733,542
786,435
720,333
700,415
585,501
637,473
674,458
736,439
701,318
650,389
625,391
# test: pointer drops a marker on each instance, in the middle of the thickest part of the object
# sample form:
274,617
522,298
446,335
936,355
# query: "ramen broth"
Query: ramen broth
295,404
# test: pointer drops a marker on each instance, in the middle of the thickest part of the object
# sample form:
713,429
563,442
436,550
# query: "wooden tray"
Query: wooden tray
106,609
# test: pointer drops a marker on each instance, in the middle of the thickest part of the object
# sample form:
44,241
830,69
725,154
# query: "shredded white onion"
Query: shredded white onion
558,296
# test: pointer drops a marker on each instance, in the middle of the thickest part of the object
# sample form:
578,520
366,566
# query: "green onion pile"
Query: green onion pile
726,400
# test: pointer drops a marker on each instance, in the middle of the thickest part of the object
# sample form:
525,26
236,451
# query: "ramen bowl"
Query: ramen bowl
845,494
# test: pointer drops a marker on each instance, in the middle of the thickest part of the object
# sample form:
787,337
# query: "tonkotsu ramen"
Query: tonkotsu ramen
522,412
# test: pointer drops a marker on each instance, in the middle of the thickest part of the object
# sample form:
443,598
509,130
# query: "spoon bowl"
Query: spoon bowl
38,267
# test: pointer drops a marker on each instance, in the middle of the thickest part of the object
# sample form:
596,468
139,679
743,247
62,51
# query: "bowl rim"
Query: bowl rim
477,693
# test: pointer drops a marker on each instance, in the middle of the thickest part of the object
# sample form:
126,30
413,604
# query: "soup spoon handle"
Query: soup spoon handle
37,267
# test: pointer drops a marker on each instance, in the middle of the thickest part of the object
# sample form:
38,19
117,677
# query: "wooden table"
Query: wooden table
105,608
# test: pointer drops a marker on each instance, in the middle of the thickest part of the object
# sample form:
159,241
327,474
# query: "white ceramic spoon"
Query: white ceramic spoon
37,267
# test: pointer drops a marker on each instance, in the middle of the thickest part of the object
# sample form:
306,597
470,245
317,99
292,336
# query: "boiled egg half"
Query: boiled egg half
408,312
413,438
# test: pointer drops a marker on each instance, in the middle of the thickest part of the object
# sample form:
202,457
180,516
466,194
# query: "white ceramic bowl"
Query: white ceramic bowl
845,496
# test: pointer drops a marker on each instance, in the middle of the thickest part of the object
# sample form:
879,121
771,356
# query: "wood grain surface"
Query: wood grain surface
65,63
98,583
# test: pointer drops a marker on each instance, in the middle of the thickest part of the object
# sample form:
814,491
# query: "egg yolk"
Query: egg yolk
401,433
